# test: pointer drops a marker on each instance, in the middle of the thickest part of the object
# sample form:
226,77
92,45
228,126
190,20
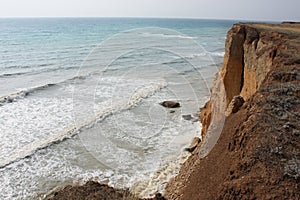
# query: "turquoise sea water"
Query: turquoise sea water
79,99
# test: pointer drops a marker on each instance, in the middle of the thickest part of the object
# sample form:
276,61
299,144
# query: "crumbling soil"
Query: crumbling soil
258,153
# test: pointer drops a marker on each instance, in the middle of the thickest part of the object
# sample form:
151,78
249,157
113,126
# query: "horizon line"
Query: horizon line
147,17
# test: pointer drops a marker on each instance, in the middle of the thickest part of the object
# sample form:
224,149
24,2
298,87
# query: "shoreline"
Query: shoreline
257,154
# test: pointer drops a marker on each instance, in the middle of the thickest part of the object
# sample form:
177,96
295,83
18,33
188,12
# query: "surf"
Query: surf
137,97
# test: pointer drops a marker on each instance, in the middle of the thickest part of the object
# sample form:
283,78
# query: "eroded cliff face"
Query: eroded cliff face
257,155
252,51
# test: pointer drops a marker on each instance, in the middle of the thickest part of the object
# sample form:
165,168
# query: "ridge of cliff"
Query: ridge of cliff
255,109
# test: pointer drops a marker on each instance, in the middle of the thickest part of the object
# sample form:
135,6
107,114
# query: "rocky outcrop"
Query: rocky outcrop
205,117
257,154
95,191
235,104
193,145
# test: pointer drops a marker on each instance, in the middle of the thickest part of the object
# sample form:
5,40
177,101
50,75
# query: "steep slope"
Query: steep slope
257,155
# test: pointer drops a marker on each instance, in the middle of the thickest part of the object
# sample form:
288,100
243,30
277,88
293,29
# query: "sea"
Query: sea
80,100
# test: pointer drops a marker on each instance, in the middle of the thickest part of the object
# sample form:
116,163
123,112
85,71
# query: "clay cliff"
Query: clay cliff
250,126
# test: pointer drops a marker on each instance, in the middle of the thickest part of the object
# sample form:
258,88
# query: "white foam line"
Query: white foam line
146,188
169,35
26,91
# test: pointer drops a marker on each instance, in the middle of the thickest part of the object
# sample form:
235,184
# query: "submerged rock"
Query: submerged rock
187,117
170,104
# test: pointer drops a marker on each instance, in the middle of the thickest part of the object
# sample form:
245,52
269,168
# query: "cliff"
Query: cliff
251,130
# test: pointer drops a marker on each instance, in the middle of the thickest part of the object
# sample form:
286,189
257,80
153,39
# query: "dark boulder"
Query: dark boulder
170,104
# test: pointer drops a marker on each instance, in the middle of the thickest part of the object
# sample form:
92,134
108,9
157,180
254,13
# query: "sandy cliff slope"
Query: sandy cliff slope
258,153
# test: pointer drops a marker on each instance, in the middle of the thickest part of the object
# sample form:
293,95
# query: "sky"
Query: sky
267,10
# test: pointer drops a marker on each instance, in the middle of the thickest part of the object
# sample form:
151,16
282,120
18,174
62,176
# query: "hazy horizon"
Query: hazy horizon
255,10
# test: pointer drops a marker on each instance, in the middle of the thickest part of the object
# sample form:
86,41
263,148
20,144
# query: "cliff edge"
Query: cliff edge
255,107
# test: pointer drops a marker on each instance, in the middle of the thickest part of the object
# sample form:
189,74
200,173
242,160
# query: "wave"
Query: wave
169,35
13,97
176,61
55,69
135,99
23,93
16,66
41,68
186,58
215,53
219,54
12,74
196,55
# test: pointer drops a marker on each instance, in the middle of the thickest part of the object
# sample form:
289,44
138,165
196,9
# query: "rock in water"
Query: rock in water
187,117
193,145
170,104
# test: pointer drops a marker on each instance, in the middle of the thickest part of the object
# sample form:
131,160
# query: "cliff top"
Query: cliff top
285,27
